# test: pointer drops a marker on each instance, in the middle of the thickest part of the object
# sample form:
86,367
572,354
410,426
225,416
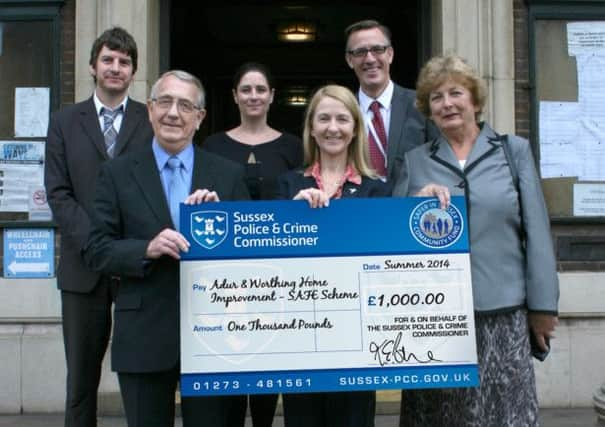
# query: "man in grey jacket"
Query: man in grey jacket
369,53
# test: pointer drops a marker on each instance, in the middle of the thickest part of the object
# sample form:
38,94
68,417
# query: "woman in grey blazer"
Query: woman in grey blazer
515,285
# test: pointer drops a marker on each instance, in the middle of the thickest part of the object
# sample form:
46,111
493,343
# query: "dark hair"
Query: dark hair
252,66
115,38
367,24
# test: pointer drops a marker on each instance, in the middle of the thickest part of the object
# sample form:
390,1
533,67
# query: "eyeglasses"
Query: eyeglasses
361,52
183,106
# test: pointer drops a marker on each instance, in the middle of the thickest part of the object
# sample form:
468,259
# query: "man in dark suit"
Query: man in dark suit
81,138
400,127
135,235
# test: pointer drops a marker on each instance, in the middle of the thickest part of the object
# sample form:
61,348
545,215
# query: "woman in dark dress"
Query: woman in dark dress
336,165
265,152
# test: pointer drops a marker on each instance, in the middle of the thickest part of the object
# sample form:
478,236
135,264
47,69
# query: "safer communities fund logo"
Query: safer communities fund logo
434,227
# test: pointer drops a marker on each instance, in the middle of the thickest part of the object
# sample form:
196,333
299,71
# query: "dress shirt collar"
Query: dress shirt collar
162,156
351,175
385,98
99,104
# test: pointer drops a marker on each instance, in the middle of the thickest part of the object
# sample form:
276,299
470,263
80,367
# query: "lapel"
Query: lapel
441,152
399,111
204,171
89,121
132,117
148,178
350,189
486,143
145,172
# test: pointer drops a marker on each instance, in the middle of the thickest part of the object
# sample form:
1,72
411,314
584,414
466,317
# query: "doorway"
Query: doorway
213,40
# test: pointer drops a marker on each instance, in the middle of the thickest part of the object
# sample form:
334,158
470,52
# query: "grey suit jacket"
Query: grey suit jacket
505,275
408,129
75,150
130,208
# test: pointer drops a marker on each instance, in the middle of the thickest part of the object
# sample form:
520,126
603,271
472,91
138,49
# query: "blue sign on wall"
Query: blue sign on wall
29,252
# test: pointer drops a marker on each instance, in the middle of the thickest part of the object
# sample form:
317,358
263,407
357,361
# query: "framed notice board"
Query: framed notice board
567,81
29,90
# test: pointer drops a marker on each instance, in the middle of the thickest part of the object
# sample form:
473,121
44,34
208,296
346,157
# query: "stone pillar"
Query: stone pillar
599,402
140,18
481,31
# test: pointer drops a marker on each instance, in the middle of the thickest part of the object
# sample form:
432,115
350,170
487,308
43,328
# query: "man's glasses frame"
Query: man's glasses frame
361,52
184,106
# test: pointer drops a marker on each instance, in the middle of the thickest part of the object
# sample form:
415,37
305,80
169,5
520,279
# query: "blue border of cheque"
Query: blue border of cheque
304,381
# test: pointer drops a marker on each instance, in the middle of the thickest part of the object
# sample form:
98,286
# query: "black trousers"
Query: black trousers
149,402
86,331
338,409
262,409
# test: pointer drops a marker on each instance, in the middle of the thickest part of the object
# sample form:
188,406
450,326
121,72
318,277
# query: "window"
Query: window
29,58
567,65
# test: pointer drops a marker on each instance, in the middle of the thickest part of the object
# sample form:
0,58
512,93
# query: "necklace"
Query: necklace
332,185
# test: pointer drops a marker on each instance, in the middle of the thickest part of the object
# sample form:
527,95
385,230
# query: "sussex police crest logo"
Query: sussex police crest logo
209,228
434,227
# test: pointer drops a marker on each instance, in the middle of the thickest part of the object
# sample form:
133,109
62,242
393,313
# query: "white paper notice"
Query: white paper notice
586,37
589,199
21,167
572,134
591,87
591,97
559,130
32,107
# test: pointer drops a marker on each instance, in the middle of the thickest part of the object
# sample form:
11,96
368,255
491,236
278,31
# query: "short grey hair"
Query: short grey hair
183,76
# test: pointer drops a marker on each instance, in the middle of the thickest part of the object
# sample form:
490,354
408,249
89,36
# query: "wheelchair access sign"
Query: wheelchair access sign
29,252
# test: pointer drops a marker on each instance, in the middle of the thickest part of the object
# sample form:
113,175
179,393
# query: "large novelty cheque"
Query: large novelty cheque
365,294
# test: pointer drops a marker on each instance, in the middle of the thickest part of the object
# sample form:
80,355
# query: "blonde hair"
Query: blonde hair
358,152
440,69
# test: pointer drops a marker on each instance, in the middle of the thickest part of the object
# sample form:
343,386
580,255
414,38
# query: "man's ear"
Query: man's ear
349,61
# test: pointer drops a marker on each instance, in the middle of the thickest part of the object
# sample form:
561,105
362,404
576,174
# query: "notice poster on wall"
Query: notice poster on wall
589,199
572,135
586,37
32,108
21,167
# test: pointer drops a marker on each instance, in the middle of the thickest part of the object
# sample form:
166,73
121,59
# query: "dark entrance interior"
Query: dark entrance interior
211,39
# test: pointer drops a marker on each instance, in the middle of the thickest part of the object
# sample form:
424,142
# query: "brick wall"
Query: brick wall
521,43
68,47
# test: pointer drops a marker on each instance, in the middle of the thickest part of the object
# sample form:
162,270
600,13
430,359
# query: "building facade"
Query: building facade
513,44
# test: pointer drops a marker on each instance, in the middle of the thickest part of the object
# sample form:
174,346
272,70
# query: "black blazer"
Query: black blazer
75,151
131,209
290,183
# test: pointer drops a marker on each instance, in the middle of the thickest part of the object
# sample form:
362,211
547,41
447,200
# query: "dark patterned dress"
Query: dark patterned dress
506,395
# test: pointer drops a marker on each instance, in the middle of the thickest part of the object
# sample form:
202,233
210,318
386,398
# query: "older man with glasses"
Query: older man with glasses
135,235
393,123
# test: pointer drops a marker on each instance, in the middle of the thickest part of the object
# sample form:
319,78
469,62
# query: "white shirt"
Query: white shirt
117,122
384,99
